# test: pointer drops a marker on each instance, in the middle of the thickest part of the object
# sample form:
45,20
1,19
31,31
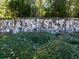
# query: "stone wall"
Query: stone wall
51,25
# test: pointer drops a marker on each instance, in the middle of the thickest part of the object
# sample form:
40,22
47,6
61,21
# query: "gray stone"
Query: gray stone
51,25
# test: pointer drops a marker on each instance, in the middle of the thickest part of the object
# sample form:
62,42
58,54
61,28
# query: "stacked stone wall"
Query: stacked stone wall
51,25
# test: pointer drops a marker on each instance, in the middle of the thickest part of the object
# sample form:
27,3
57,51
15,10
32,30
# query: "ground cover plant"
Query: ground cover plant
27,45
56,50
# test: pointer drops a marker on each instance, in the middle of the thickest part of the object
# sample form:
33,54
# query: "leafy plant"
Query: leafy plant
56,50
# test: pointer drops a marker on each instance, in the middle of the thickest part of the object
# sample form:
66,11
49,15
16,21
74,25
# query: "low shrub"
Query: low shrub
26,45
56,50
21,45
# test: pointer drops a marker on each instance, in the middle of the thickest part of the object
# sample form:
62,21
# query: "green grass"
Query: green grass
25,45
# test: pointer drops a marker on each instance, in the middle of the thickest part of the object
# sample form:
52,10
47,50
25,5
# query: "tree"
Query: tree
76,5
70,7
4,10
40,7
60,8
20,8
57,8
49,8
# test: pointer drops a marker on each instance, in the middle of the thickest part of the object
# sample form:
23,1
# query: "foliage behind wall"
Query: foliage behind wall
39,8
